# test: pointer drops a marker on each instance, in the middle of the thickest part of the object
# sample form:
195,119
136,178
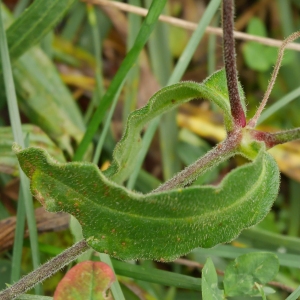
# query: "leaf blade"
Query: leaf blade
168,98
159,226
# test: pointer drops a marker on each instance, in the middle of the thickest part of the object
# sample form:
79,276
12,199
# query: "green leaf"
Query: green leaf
126,151
246,270
257,56
159,226
34,24
87,280
210,290
37,138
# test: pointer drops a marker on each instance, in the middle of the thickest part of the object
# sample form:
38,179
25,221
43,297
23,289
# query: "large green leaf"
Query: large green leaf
159,226
34,23
214,89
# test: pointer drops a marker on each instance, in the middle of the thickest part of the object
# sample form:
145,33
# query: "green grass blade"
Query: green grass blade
295,295
285,259
294,221
132,84
92,17
20,7
161,61
18,241
212,39
75,19
178,72
279,104
146,141
106,127
191,47
34,24
115,287
272,239
157,276
18,136
118,81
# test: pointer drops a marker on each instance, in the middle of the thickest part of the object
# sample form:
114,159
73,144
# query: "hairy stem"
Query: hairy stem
237,111
273,139
44,271
289,39
220,153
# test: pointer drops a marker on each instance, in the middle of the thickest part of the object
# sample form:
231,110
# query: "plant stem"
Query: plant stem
230,65
288,40
45,271
273,139
220,153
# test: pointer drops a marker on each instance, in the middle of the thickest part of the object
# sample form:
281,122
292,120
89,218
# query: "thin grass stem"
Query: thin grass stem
18,137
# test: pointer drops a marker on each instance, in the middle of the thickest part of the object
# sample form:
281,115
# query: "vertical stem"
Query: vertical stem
230,64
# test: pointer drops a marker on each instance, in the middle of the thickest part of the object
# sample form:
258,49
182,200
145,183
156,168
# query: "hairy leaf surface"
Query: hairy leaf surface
214,89
159,226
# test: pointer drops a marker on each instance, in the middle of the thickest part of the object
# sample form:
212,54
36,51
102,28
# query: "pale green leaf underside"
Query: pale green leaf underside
159,226
126,151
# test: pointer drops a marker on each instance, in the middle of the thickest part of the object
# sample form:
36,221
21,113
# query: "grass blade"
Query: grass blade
115,287
279,104
272,240
18,136
157,276
295,295
162,66
20,7
34,24
18,240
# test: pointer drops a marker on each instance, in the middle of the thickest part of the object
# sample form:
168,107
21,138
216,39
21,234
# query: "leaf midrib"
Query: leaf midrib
205,215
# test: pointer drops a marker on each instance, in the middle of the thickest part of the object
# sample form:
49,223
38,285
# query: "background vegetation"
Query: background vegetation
59,84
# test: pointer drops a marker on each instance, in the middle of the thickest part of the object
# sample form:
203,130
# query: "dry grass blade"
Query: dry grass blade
192,26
